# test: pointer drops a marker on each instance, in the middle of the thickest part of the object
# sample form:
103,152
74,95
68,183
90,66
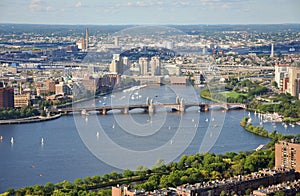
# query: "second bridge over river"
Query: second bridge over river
151,107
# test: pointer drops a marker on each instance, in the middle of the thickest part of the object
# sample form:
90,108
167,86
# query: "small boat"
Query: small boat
1,137
206,120
193,119
84,112
169,127
249,120
97,134
249,114
213,119
292,125
113,126
171,142
11,140
42,141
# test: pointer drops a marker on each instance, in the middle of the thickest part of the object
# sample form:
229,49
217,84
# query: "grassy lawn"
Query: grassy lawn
232,94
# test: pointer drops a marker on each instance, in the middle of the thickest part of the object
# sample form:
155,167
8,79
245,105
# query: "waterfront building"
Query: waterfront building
287,155
281,74
22,100
155,65
6,97
144,66
294,81
181,80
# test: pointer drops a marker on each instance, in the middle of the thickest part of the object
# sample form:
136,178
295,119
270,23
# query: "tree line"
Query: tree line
189,169
14,113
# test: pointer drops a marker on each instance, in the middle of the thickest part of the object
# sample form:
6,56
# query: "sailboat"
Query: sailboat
11,140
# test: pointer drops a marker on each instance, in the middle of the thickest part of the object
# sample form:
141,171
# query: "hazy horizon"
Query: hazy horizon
150,12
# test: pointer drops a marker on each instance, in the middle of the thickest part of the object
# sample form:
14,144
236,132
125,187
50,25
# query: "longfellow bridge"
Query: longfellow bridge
151,107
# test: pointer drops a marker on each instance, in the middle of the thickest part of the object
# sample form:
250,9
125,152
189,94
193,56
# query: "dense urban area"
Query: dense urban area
47,68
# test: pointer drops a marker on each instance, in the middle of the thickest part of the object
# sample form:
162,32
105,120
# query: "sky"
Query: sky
118,12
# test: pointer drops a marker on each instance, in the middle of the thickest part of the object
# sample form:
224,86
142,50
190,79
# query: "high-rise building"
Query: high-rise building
281,73
116,64
6,97
155,65
116,39
144,65
86,38
294,81
287,155
272,50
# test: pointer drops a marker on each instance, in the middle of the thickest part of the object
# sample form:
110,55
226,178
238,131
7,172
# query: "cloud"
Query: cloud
78,4
40,5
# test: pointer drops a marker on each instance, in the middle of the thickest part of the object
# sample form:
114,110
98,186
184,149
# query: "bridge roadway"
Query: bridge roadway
151,107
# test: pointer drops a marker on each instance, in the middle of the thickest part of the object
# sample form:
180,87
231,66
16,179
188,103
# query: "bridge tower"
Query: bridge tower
226,106
151,107
181,106
177,100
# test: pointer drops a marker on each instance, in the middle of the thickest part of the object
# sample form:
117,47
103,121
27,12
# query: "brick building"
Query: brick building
287,155
238,184
6,97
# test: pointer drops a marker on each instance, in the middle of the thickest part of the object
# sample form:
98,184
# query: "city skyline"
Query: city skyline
150,12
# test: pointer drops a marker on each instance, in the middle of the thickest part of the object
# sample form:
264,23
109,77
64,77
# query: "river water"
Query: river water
78,146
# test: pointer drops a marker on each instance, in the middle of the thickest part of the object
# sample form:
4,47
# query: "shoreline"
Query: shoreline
33,119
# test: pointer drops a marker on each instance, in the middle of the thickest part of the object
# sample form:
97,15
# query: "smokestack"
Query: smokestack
86,38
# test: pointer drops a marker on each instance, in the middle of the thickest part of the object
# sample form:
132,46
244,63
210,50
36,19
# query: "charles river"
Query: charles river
76,146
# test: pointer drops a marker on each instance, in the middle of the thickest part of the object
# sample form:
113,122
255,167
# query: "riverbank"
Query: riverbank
33,119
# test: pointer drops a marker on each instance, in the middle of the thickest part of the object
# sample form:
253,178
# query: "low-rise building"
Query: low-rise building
288,188
238,184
